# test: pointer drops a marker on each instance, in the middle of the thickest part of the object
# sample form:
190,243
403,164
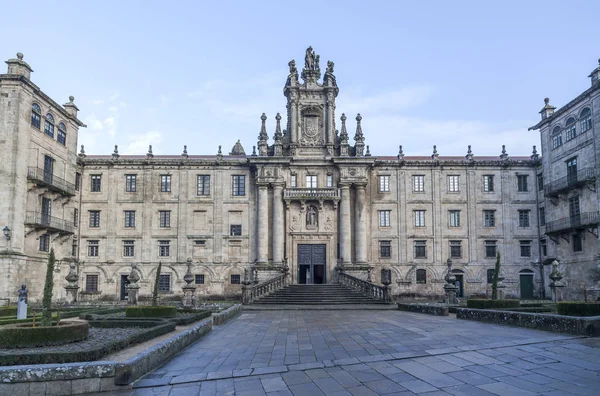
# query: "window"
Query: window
235,230
75,217
456,249
490,249
329,180
200,242
93,248
238,185
577,243
49,125
311,181
199,279
419,183
45,243
74,249
165,218
91,283
77,181
525,248
165,183
544,247
490,276
164,283
574,207
556,138
384,218
36,116
128,248
203,185
164,248
293,182
542,217
130,181
524,218
540,181
488,183
235,279
421,276
419,218
94,218
96,183
571,129
62,134
489,218
384,183
385,249
572,171
420,249
129,218
522,183
454,218
585,120
453,184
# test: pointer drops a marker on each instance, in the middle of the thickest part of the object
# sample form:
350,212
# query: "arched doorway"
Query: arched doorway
459,274
526,284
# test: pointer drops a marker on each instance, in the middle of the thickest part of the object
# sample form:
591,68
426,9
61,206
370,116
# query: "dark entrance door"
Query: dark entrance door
459,283
48,169
46,210
526,283
311,264
124,283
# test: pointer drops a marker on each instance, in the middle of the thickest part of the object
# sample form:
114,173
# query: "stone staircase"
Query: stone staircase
326,294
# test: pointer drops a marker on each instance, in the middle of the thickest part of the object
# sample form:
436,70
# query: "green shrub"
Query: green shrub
25,336
159,311
8,311
576,308
191,317
492,304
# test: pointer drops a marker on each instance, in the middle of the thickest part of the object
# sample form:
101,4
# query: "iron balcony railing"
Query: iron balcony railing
578,178
311,193
47,179
587,219
42,220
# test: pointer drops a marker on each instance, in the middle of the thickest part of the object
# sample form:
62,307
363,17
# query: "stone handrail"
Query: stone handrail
311,193
369,289
42,220
251,293
586,219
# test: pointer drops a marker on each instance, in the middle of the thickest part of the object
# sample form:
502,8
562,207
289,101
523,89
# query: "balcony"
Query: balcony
580,178
53,224
317,194
583,220
47,179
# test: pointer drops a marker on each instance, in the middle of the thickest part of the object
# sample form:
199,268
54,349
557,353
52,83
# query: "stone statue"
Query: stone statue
23,293
329,78
22,304
311,216
316,66
293,76
309,59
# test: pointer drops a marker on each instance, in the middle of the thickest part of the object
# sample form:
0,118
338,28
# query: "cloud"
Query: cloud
113,109
165,101
93,123
138,144
97,102
110,121
114,96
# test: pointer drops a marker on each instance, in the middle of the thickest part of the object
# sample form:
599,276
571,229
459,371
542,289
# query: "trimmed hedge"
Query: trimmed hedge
492,304
576,308
26,336
69,313
190,317
8,311
159,311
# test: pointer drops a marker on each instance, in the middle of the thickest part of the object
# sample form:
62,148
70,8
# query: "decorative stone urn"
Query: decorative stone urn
189,290
450,287
556,285
134,287
72,283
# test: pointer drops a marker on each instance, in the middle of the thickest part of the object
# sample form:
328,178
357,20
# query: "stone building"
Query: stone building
310,196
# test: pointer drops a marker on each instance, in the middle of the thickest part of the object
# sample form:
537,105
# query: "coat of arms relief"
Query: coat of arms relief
312,127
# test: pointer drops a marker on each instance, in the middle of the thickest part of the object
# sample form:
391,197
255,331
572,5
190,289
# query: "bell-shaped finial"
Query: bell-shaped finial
368,153
534,155
149,154
115,153
82,151
184,154
344,132
435,154
469,155
400,153
504,154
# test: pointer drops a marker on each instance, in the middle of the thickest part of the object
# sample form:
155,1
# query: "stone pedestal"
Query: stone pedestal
450,288
556,285
189,299
132,293
71,294
22,310
72,286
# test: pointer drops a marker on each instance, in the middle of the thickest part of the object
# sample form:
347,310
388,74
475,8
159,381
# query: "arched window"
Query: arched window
36,115
571,128
62,134
585,120
556,137
421,276
49,125
490,275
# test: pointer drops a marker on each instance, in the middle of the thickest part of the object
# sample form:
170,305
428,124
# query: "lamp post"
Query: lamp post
6,232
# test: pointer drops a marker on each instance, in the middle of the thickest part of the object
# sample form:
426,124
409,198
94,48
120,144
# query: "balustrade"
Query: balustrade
369,289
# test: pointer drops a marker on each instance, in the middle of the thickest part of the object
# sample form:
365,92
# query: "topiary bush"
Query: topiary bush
492,304
24,335
159,311
577,308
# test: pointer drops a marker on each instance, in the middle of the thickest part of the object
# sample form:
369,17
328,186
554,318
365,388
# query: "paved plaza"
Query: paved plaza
376,353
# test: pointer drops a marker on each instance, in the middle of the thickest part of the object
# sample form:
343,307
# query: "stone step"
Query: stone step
325,294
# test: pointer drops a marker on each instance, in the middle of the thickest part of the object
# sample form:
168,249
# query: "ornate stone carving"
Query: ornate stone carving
293,76
328,224
312,217
329,78
295,226
312,126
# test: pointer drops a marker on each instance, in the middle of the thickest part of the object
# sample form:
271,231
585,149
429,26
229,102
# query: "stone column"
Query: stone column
345,230
262,239
360,225
278,230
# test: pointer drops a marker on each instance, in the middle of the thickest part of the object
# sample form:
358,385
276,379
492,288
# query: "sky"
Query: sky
195,73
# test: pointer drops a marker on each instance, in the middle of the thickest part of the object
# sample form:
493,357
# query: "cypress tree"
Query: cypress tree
495,280
155,291
48,286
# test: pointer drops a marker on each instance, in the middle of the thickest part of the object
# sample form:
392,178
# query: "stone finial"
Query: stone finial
344,133
358,136
220,154
368,153
254,151
534,155
504,155
82,151
71,99
547,110
435,156
19,55
185,153
400,153
149,153
278,135
115,153
237,149
469,155
188,277
262,136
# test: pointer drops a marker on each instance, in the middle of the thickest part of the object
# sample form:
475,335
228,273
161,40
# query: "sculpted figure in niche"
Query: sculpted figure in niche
311,216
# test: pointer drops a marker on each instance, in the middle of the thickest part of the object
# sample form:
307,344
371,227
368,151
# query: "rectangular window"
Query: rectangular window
311,181
571,131
91,283
293,182
74,249
96,183
129,218
421,276
490,249
384,183
525,248
456,249
128,248
542,217
385,249
164,248
235,230
454,218
384,218
94,218
165,218
488,183
329,180
45,243
577,243
203,187
489,218
61,136
93,248
572,171
453,185
540,181
544,247
130,181
418,183
574,211
523,218
165,183
75,217
585,121
419,218
164,283
77,181
199,279
200,242
420,249
238,185
522,183
235,279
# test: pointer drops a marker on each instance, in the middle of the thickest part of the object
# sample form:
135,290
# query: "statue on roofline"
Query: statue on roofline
329,78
